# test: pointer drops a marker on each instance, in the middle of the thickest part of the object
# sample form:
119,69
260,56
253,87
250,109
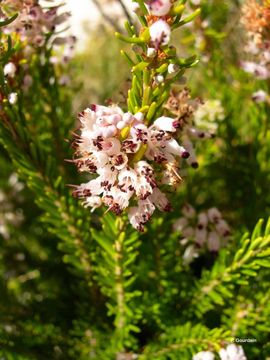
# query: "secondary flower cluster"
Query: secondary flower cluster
205,230
32,28
232,352
131,160
256,20
33,22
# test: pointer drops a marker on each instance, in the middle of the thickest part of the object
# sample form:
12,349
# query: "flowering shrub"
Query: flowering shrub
89,269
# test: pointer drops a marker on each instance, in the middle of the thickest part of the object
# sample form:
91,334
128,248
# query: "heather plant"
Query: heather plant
135,231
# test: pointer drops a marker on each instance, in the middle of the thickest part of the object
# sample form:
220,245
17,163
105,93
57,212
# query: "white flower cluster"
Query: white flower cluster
33,22
8,215
32,26
131,160
259,68
205,230
232,352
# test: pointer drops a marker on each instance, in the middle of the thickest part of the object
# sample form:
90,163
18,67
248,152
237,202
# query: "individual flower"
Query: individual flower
260,96
128,159
260,71
159,7
202,231
10,70
232,352
33,23
160,33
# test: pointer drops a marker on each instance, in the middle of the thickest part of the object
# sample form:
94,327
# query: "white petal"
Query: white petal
165,123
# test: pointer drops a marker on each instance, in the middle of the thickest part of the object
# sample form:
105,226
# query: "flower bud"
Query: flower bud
151,52
173,68
12,98
160,33
10,70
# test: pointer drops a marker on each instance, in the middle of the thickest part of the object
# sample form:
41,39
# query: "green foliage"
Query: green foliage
115,274
184,341
218,285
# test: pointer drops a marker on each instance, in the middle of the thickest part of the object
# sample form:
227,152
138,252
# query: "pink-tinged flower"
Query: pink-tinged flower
143,188
232,352
188,211
260,96
174,148
127,180
160,33
223,228
93,202
34,22
117,200
138,216
192,159
166,124
10,70
144,169
159,7
202,220
200,236
214,215
107,174
135,7
213,242
260,71
160,200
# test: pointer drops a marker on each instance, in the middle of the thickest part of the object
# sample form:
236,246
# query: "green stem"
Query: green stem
120,320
